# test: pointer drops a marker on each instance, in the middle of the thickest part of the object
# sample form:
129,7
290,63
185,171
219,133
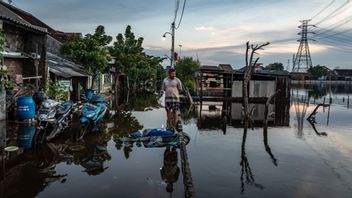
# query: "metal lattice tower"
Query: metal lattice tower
302,61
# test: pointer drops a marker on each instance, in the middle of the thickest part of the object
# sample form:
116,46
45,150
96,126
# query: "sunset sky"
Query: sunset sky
215,31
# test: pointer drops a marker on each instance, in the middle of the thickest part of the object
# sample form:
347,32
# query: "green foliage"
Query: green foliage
131,60
318,71
275,66
185,69
89,51
54,90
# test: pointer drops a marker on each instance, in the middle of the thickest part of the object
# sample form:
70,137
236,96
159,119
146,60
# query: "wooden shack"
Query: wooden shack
228,90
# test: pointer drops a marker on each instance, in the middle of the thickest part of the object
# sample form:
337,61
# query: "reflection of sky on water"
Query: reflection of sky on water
307,166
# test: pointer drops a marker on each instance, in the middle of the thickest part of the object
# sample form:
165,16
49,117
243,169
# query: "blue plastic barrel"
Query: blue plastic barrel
25,136
25,107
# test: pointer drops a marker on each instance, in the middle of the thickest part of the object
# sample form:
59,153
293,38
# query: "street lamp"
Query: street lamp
172,33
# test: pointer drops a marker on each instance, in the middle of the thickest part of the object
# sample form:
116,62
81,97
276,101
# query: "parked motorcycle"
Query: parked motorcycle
92,115
54,118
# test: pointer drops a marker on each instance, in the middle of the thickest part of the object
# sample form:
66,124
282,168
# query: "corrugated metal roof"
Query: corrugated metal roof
64,68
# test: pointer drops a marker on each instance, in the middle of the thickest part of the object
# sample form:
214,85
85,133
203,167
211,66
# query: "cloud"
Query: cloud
205,28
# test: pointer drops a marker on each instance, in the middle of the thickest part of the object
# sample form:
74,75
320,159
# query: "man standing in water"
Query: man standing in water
172,87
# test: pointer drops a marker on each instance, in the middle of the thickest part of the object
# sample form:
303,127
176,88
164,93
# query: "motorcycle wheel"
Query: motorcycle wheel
78,135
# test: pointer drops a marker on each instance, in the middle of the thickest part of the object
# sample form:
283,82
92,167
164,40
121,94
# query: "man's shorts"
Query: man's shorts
172,106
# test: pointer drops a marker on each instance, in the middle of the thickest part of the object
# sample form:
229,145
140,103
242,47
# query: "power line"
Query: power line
332,14
334,26
336,43
326,7
341,49
176,9
341,33
183,9
346,43
336,35
329,33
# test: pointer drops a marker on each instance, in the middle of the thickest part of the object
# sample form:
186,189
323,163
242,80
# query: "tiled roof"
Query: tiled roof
7,14
27,18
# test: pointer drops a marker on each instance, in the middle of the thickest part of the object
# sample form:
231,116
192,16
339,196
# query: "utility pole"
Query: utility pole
302,61
172,44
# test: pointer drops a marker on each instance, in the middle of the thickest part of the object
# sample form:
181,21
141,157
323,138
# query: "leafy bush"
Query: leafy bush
54,90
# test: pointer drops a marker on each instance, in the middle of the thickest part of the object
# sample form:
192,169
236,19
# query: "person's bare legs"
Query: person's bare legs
169,119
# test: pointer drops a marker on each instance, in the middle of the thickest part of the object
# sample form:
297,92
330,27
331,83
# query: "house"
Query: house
24,55
218,85
53,66
343,74
211,80
67,73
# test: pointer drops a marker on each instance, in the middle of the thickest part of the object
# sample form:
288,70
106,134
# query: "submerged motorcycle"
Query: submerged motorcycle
54,118
92,115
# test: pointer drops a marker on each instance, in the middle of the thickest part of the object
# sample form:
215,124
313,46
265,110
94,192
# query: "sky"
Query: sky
215,31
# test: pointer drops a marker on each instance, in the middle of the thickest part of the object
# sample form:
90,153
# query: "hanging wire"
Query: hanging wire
337,34
340,22
177,5
336,45
326,7
333,13
183,9
334,26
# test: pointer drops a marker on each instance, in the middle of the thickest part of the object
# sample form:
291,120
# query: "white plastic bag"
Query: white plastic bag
161,100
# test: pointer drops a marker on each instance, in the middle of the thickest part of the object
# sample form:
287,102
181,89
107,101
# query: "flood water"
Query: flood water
300,160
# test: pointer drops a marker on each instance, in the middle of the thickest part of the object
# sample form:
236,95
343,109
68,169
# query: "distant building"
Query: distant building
343,74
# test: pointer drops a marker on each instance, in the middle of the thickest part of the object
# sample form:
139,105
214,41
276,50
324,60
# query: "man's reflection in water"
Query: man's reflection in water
170,171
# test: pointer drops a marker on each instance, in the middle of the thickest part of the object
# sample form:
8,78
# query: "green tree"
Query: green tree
275,66
89,51
318,71
131,60
185,68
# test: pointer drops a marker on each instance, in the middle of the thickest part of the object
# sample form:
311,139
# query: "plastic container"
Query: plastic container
25,108
25,136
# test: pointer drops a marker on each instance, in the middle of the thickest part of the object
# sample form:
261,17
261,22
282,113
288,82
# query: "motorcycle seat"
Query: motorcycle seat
64,107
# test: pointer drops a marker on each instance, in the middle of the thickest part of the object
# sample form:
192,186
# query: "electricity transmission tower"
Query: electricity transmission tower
302,61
